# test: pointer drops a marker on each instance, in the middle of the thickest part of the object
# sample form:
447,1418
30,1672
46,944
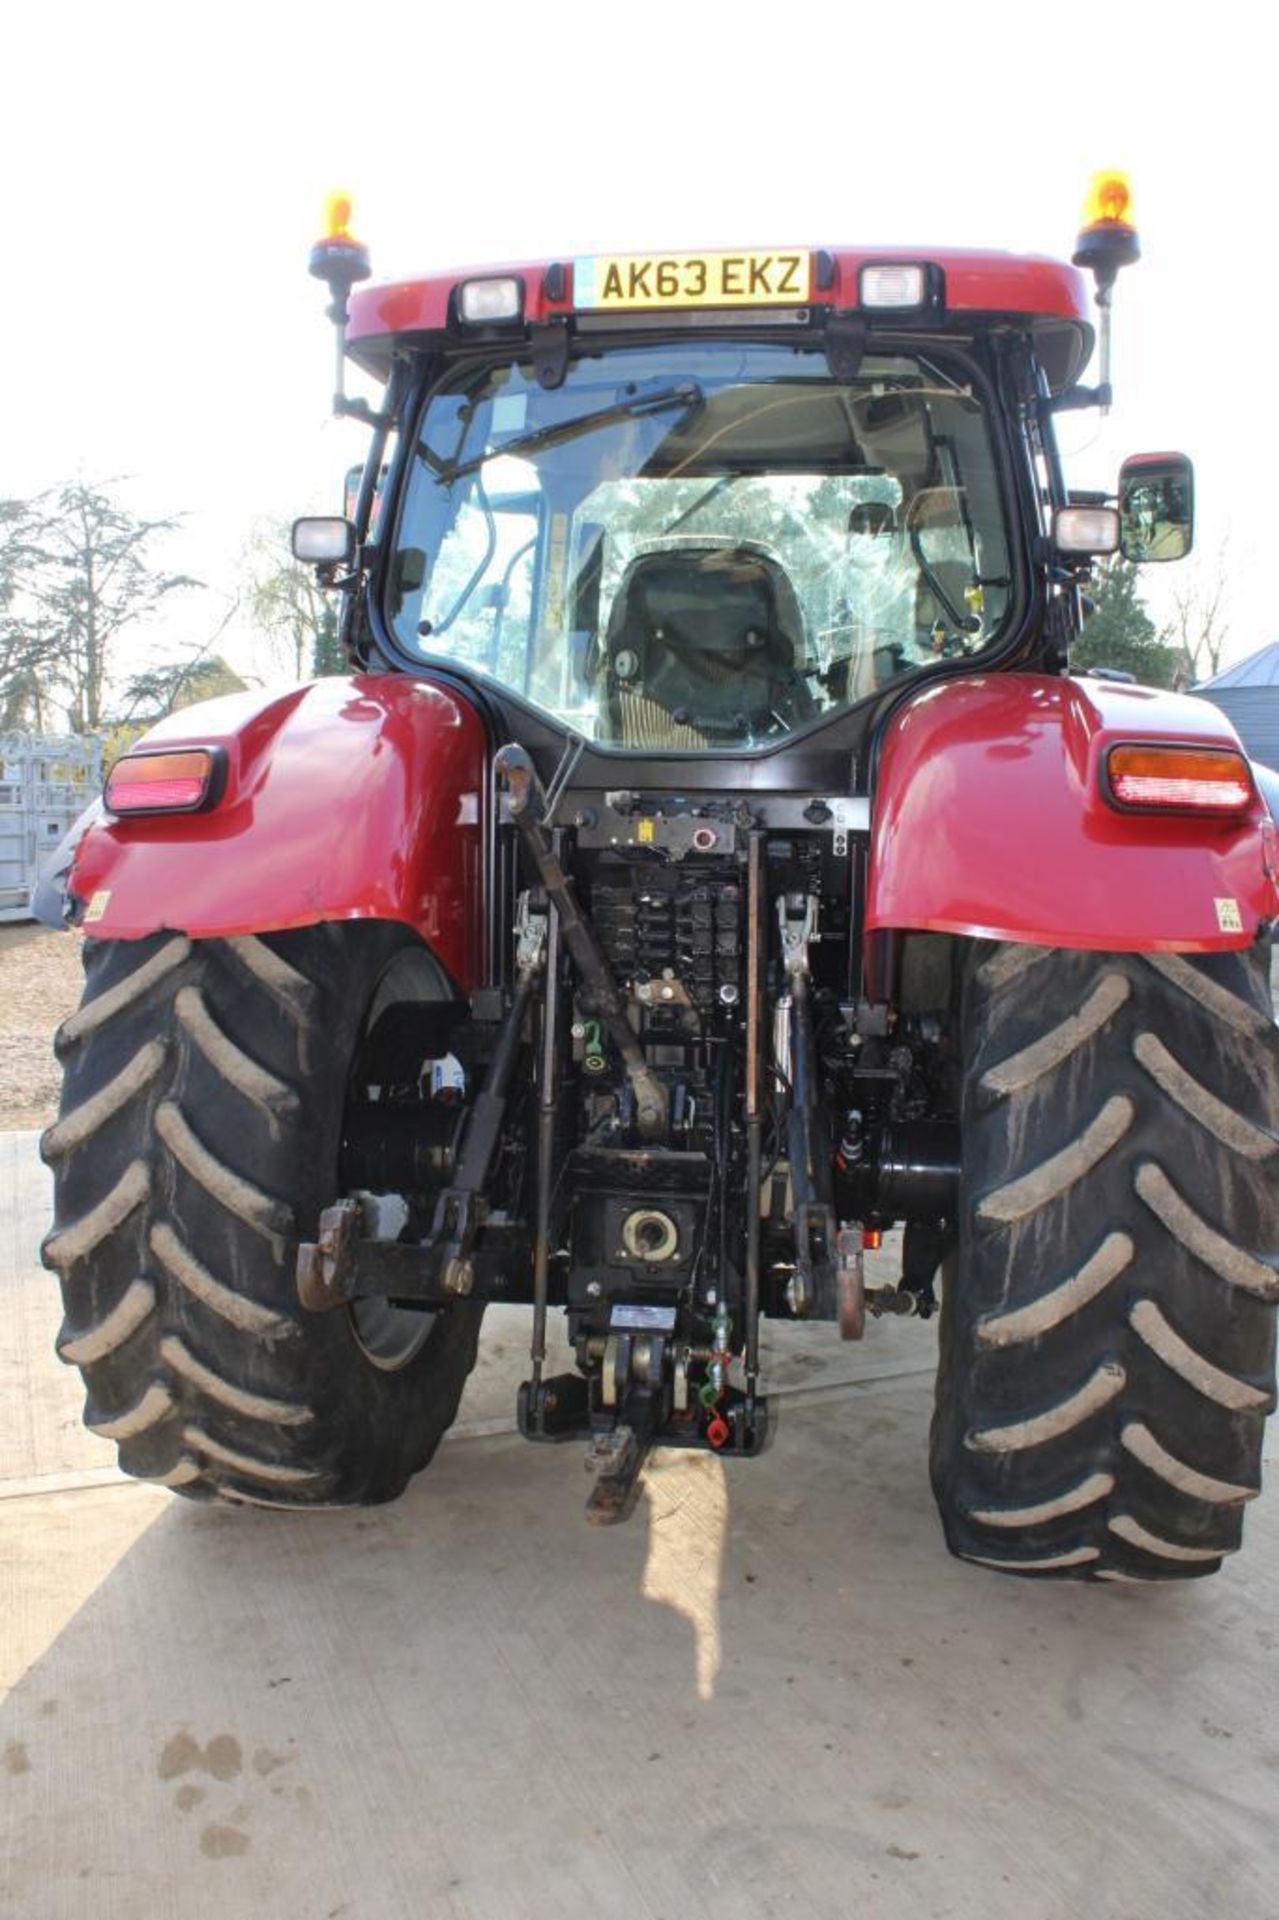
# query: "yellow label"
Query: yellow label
627,282
1229,918
97,906
645,831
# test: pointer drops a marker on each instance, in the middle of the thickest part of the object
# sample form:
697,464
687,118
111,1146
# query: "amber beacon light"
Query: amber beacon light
338,248
1107,241
1107,235
341,262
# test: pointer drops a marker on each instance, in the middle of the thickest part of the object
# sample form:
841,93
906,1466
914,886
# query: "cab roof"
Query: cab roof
1049,295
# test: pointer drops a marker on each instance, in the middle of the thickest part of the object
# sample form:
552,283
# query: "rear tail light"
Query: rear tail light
1214,780
181,782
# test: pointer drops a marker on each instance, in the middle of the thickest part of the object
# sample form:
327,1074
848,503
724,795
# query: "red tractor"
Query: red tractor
710,861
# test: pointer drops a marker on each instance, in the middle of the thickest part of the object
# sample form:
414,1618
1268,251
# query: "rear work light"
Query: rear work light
1086,530
893,287
481,302
1213,780
182,782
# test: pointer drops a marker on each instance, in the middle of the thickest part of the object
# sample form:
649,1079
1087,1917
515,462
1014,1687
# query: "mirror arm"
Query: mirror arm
1075,399
351,409
329,580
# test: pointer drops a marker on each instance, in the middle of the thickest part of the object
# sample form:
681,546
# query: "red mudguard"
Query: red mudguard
348,799
989,819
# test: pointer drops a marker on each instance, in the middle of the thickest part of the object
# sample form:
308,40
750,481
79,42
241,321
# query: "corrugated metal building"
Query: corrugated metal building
1248,695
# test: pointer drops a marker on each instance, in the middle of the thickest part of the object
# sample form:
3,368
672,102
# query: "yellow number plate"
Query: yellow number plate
627,282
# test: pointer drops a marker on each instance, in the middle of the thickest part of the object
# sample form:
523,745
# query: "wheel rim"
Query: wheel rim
391,1337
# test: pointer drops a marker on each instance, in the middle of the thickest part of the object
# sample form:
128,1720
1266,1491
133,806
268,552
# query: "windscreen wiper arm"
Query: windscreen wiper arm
686,394
712,492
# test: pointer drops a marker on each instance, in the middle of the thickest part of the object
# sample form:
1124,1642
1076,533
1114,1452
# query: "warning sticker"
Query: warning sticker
1229,918
97,906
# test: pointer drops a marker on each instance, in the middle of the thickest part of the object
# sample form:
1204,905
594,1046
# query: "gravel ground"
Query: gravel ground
39,985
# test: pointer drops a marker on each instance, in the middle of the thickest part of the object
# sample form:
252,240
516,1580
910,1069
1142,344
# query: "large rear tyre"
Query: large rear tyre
1107,1337
198,1139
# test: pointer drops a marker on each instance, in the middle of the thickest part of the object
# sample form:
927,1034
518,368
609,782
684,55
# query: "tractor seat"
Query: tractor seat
701,650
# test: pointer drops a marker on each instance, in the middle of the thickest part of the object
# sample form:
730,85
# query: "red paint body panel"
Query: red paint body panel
989,820
348,799
975,283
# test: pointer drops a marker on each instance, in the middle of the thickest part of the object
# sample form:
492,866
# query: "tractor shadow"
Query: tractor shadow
772,1680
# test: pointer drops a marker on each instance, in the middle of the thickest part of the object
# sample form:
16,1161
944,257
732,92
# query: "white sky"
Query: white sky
165,171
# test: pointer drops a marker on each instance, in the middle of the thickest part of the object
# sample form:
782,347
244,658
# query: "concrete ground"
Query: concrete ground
772,1693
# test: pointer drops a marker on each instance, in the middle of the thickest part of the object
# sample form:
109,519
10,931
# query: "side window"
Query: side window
479,593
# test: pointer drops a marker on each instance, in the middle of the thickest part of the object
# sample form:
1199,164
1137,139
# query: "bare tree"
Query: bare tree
199,674
26,639
86,578
292,612
167,689
1200,626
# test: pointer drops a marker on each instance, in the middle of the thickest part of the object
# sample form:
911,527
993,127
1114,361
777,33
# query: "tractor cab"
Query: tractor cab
709,503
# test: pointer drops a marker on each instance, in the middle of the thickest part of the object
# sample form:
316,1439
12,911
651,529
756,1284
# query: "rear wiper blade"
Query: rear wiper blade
686,394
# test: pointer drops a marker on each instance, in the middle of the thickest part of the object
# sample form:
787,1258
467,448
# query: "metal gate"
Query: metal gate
45,785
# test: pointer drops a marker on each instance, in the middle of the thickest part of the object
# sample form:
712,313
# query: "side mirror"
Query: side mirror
324,542
1156,506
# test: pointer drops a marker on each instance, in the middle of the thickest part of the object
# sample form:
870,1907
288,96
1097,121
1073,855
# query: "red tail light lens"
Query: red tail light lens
1179,779
182,782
